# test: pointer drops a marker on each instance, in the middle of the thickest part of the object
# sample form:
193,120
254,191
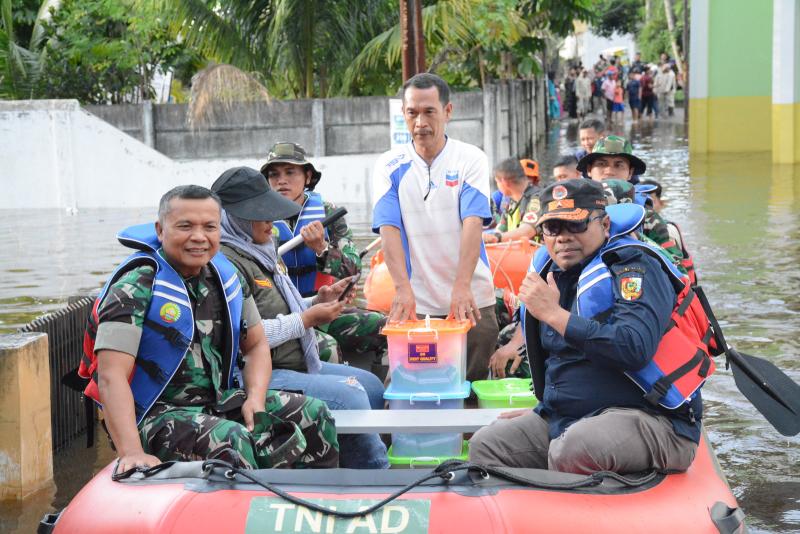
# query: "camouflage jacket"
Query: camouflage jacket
655,228
199,379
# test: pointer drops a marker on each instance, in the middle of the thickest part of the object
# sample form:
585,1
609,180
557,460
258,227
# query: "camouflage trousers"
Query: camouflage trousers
355,331
524,369
293,431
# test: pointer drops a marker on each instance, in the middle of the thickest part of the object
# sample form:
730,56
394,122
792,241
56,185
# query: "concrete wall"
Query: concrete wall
56,154
329,127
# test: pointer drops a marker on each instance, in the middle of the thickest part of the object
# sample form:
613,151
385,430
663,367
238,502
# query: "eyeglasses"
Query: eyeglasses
556,226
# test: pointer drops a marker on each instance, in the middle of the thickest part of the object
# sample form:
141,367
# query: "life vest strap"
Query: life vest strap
687,301
662,385
173,335
152,369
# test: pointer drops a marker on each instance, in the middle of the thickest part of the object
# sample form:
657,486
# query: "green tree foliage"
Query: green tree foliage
469,42
621,16
104,51
299,48
22,52
628,16
654,37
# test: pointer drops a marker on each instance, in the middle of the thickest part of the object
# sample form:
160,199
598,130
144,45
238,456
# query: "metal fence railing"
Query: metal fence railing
64,330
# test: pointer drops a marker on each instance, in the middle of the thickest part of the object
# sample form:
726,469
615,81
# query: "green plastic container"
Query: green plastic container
425,461
504,393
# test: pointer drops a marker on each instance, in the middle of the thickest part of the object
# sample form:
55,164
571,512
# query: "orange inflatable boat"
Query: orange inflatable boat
509,262
456,497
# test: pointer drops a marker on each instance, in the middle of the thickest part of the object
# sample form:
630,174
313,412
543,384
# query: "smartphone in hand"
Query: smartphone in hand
350,285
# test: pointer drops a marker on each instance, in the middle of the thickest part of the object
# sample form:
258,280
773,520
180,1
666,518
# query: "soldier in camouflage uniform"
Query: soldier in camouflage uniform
612,158
519,211
196,416
356,330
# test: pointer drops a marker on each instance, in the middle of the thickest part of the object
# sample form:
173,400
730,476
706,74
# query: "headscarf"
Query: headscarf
239,233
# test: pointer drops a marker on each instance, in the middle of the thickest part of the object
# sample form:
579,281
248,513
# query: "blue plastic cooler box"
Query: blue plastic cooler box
436,444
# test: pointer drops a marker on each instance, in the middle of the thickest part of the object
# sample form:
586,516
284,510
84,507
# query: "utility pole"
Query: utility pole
413,38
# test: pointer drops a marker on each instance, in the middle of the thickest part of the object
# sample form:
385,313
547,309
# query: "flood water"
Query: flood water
740,216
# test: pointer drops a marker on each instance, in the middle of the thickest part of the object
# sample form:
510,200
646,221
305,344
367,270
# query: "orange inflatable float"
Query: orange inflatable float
509,262
184,497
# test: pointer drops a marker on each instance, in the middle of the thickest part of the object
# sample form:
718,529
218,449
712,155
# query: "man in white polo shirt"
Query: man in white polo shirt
431,199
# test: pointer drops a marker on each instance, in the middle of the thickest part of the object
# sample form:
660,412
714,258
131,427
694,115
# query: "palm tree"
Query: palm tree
21,66
299,47
453,29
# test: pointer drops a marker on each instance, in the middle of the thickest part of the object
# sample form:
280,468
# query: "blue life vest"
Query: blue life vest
669,379
301,262
168,328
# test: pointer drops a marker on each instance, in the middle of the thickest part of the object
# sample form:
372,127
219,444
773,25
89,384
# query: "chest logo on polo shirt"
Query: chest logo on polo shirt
630,286
169,312
263,283
451,178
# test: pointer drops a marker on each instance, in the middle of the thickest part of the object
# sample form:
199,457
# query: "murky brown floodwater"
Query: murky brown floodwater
740,216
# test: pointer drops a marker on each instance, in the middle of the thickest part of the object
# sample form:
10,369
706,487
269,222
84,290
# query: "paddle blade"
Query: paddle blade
773,393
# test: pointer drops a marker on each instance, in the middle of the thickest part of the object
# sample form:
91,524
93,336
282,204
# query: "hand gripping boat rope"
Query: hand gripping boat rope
445,471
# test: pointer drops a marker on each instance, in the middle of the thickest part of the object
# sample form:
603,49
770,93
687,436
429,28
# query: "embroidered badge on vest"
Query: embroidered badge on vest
263,283
630,287
169,312
451,178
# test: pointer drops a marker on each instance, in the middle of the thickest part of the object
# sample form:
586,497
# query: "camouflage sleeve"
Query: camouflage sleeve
531,214
656,229
342,259
122,312
502,222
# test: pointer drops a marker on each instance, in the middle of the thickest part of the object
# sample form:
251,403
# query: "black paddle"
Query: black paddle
768,388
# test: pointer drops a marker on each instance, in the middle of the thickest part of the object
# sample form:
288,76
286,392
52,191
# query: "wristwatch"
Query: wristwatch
324,250
499,235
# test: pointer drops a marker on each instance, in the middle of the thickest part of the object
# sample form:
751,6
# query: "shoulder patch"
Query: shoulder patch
630,286
263,283
531,217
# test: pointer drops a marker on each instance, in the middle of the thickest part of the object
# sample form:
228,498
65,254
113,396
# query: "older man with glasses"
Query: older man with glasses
605,318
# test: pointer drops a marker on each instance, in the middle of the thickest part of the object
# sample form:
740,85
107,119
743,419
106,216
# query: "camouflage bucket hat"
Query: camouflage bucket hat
294,154
612,145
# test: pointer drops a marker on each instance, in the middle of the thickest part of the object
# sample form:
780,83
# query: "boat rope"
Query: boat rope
445,471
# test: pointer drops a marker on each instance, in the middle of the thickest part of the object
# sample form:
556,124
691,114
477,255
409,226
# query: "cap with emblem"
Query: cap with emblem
612,145
294,154
245,194
571,200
